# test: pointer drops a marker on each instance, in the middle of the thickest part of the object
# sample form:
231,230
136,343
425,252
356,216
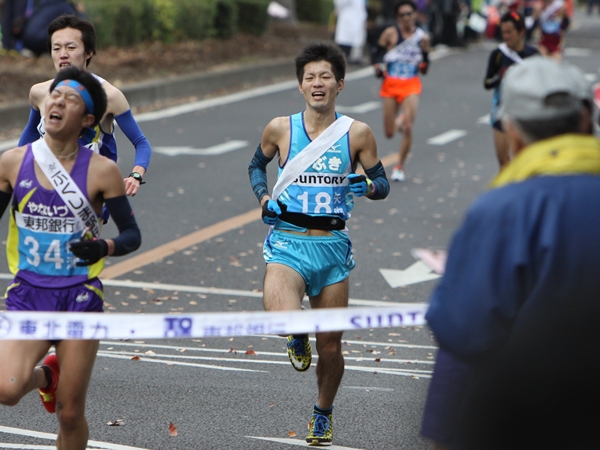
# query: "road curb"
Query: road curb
199,85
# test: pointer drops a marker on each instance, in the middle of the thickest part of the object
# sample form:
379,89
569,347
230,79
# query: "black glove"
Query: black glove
270,212
89,251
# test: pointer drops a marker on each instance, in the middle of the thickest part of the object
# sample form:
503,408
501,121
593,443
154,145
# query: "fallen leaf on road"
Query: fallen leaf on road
116,423
150,353
292,434
377,359
250,352
135,358
172,429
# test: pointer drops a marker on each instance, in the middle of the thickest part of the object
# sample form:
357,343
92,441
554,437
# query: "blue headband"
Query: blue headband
82,91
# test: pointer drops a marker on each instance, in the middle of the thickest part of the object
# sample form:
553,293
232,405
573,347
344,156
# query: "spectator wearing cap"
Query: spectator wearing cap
525,255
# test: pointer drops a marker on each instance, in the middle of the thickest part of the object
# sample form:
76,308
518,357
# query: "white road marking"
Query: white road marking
416,273
8,144
253,360
29,447
212,290
446,137
366,388
359,109
176,363
51,436
312,339
214,150
484,120
591,77
583,52
143,358
299,443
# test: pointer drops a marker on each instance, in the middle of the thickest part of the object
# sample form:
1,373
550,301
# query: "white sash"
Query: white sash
311,153
397,52
551,10
64,185
510,53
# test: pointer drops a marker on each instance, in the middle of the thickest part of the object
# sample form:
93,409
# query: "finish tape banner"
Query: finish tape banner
33,325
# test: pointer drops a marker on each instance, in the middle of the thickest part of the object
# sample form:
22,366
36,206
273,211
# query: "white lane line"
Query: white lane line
215,291
219,149
51,436
178,363
591,77
359,109
252,359
8,144
221,350
367,388
299,443
29,447
583,52
446,137
484,120
381,370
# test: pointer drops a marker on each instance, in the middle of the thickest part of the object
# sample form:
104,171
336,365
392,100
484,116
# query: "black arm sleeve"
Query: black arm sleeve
4,201
257,171
492,76
129,238
377,176
377,54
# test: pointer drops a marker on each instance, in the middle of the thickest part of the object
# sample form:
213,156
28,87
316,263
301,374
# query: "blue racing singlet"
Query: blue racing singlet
42,226
322,189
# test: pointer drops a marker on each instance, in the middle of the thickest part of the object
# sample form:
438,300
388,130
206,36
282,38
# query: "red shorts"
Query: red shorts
551,42
400,88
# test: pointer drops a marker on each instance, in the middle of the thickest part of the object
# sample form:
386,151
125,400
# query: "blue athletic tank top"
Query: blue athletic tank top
42,226
322,189
95,138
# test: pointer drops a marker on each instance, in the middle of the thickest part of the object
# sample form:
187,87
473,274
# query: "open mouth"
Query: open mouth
318,94
63,65
55,116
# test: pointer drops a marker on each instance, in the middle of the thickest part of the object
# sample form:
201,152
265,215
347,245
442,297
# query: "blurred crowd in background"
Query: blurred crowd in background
354,24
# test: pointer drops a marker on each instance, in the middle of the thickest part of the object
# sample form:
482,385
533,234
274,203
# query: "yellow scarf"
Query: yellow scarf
568,154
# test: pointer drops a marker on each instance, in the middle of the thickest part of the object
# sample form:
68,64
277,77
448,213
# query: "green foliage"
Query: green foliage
252,16
195,19
316,11
226,19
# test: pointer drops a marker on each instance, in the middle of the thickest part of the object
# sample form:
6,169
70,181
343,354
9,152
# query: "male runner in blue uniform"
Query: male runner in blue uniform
72,43
513,50
308,249
54,256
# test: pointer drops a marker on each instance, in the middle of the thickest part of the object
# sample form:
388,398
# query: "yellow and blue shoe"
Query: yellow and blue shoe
299,352
320,429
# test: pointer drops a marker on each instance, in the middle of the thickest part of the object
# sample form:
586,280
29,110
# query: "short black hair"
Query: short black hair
515,18
322,51
92,85
400,3
88,32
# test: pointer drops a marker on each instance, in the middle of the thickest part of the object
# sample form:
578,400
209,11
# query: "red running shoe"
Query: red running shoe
48,395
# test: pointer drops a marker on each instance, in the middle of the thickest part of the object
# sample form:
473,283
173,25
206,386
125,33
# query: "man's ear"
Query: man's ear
340,85
88,120
300,87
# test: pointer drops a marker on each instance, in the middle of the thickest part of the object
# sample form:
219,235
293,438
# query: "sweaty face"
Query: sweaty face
65,111
68,49
319,85
510,35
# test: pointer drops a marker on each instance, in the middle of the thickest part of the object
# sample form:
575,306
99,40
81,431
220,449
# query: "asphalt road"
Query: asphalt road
218,394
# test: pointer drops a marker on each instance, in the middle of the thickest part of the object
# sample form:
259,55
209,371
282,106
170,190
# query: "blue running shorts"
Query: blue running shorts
320,260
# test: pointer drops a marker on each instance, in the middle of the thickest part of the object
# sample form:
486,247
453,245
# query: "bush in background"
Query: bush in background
316,11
